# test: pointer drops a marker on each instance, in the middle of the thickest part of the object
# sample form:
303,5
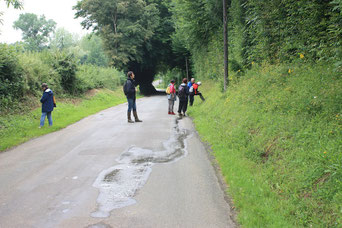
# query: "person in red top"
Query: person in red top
172,97
196,91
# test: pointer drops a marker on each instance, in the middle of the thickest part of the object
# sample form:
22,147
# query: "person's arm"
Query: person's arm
131,87
44,98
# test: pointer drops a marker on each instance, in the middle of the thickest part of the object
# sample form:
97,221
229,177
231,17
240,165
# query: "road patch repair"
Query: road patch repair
119,184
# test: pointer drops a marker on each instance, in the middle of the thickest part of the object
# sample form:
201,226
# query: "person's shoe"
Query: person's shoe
184,114
180,114
169,113
136,116
172,113
129,120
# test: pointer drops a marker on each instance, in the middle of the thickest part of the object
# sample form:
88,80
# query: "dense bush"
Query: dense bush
66,66
175,74
22,73
90,76
11,80
37,70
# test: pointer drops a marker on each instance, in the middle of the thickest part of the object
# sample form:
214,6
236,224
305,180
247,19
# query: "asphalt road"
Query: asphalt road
103,172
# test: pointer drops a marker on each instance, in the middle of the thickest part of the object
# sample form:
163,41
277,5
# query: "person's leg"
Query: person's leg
170,104
192,97
185,107
42,119
130,107
201,96
180,106
49,118
135,112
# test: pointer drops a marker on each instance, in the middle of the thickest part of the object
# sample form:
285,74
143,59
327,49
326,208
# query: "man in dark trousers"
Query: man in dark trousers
129,90
191,93
183,93
48,103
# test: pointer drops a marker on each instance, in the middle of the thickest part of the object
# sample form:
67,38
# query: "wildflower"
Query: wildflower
315,97
324,152
253,62
239,70
290,71
301,56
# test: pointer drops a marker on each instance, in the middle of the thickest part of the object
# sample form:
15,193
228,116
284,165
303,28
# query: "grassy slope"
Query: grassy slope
16,129
277,137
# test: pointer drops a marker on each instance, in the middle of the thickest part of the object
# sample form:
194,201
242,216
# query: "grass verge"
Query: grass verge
19,128
276,135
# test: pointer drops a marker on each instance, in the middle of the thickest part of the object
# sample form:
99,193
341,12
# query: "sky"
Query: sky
58,10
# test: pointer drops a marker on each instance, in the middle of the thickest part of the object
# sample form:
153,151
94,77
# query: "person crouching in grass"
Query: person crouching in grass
48,103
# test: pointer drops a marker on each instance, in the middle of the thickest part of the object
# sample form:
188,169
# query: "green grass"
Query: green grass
277,138
16,129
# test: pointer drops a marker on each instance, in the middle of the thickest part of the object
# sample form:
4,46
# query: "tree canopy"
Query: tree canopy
148,36
136,34
35,31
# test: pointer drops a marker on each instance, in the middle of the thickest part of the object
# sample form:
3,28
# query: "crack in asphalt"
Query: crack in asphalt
119,184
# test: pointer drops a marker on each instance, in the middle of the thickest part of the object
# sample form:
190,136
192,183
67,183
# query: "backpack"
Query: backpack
168,89
191,90
124,88
195,88
54,102
181,92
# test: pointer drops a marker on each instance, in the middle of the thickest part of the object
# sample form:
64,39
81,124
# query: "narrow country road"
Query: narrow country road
103,172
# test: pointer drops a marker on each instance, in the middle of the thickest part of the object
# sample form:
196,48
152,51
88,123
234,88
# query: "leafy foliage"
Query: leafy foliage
66,66
126,26
15,3
273,31
11,81
35,31
136,35
94,52
63,40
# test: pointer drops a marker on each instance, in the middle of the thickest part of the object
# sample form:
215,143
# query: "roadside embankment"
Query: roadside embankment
276,135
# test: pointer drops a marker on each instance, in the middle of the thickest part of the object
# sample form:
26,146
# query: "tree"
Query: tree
15,3
132,33
63,39
92,45
35,31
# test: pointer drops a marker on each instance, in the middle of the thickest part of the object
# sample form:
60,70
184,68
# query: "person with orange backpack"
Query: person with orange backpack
195,92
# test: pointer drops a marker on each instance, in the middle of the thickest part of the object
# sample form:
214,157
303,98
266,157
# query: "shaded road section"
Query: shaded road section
104,172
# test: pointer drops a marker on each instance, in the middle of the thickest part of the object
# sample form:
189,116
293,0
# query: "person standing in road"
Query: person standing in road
171,96
130,92
48,103
191,94
183,93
